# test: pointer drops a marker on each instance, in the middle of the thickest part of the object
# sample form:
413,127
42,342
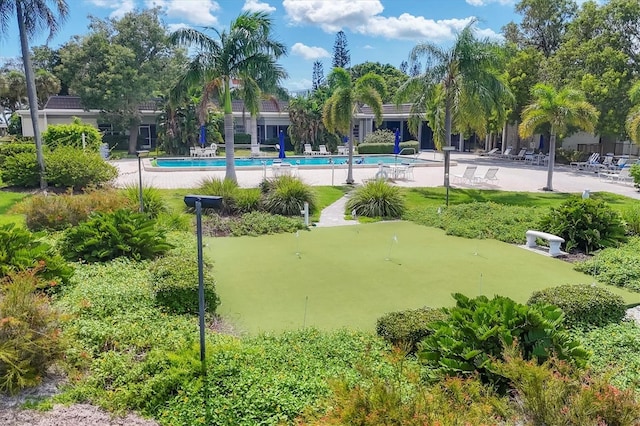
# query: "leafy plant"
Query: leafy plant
380,136
8,150
478,330
152,200
248,200
21,170
20,250
287,196
585,224
106,236
377,199
175,285
72,135
253,224
29,334
631,218
225,188
635,173
406,328
74,168
583,305
616,266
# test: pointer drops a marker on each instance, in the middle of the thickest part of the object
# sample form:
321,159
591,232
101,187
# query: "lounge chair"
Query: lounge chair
591,162
494,151
255,151
323,150
308,149
506,153
468,176
342,150
489,176
623,175
519,156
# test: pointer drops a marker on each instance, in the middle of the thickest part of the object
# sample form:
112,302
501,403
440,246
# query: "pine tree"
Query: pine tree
341,55
415,69
404,66
318,75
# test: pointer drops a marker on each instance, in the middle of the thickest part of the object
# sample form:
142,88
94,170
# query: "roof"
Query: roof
388,109
265,105
74,102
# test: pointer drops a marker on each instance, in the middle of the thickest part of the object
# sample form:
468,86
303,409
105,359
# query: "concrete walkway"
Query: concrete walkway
333,215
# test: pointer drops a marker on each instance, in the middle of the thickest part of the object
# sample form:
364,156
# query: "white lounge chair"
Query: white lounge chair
591,162
506,153
622,176
494,151
519,156
255,151
308,149
342,150
489,176
323,150
468,176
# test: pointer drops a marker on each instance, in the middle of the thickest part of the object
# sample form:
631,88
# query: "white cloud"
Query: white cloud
257,6
364,17
310,53
175,27
332,15
486,2
120,7
367,46
197,12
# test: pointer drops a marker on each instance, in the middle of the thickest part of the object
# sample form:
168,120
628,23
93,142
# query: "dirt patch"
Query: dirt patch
576,257
78,414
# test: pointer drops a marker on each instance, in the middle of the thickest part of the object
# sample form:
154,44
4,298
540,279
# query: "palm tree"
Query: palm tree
633,118
245,51
347,96
462,77
557,109
33,15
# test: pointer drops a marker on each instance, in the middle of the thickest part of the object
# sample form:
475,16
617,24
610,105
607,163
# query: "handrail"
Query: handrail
415,153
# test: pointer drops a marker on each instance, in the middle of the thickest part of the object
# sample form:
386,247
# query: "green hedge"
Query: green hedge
616,266
406,328
385,148
242,138
70,135
583,305
11,149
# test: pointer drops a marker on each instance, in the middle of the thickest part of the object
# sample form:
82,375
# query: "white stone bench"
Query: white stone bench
554,241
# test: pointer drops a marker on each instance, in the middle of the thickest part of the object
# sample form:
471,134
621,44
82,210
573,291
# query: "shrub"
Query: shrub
478,330
227,189
20,250
635,173
253,224
8,150
242,138
631,217
380,136
287,196
616,266
377,199
57,212
175,221
29,335
585,224
583,305
74,168
175,285
70,135
21,170
106,236
248,200
406,328
386,148
152,199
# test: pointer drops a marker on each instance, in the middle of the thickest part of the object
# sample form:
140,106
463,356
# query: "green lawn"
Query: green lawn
7,200
344,280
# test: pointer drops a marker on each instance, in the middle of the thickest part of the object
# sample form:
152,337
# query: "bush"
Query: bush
20,250
248,200
21,170
616,266
175,285
585,224
635,173
377,199
242,138
380,136
583,305
29,335
227,189
106,236
117,142
287,196
8,150
631,218
152,200
57,212
477,331
70,135
406,328
74,168
253,224
386,148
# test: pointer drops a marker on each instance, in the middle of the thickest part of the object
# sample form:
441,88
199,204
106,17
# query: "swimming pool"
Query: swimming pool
302,162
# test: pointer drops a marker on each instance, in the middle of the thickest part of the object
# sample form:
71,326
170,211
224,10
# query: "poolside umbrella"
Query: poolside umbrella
203,135
396,145
281,154
541,146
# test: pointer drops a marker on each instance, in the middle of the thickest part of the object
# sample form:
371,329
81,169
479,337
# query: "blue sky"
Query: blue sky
376,30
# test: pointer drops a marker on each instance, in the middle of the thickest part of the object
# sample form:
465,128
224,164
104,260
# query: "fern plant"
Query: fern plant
106,236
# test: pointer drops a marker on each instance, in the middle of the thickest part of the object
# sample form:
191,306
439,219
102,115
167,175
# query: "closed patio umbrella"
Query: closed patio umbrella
203,135
281,153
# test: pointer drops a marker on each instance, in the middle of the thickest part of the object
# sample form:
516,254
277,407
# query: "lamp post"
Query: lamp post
447,160
208,202
141,154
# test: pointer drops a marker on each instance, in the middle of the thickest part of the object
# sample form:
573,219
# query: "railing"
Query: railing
413,151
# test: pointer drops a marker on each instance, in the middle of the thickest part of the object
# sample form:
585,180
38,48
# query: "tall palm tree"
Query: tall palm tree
558,109
347,96
245,51
33,15
633,118
463,78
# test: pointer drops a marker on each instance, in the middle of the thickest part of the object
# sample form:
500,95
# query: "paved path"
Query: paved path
333,215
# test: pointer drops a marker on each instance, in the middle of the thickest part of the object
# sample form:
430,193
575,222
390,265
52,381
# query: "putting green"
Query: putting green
349,276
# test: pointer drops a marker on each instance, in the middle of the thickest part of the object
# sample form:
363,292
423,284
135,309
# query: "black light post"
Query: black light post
208,202
447,160
141,154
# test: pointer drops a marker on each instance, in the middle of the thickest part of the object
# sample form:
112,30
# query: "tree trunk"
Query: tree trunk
552,160
228,135
31,92
350,154
504,136
133,137
447,121
254,130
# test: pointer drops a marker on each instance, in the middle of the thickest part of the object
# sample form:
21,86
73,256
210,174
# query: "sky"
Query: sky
382,31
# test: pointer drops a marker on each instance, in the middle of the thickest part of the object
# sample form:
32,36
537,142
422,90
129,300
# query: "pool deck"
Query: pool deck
512,176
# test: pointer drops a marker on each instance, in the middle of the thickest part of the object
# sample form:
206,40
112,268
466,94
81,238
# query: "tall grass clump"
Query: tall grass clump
287,195
377,199
225,188
152,199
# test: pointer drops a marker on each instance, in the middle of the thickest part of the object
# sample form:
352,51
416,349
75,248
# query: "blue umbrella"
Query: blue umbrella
541,146
396,144
203,135
281,154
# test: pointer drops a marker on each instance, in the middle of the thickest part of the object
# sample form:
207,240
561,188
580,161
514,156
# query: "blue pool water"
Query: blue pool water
316,161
